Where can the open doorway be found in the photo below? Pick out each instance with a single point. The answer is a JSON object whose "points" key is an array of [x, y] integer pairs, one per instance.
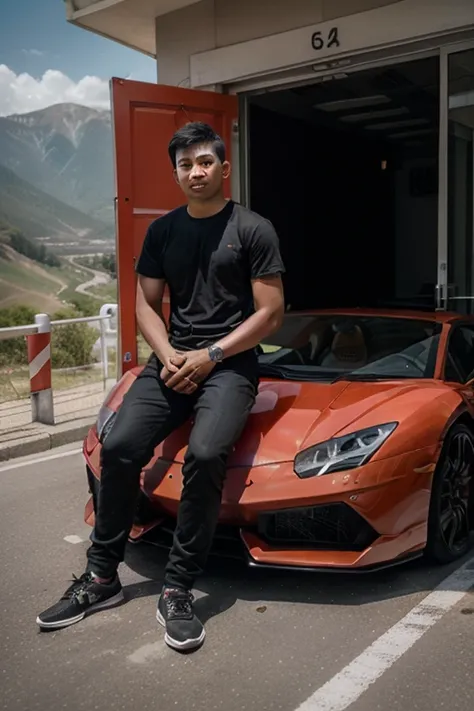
{"points": [[347, 171]]}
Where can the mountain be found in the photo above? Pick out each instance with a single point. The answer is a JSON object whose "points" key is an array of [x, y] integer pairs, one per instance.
{"points": [[66, 151], [40, 216]]}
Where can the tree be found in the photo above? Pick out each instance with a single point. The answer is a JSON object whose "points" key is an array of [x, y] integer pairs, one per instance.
{"points": [[108, 263], [13, 351], [84, 305], [71, 345], [36, 252]]}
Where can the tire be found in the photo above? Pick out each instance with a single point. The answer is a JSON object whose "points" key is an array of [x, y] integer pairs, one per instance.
{"points": [[450, 516]]}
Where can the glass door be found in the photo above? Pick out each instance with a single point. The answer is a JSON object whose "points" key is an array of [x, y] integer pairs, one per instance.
{"points": [[456, 169]]}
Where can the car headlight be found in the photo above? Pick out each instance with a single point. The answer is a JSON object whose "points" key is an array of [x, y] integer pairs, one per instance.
{"points": [[106, 416], [347, 452], [104, 422]]}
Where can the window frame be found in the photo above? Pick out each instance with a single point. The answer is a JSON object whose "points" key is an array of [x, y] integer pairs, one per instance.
{"points": [[462, 380]]}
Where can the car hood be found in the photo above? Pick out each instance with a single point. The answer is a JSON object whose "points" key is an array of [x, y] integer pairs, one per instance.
{"points": [[290, 416]]}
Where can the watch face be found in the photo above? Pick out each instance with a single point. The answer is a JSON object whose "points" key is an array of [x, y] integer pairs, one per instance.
{"points": [[216, 353]]}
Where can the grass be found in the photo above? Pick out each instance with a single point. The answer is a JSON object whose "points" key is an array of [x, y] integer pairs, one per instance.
{"points": [[46, 288], [11, 295], [86, 262], [5, 291], [107, 292], [15, 385], [23, 282], [23, 277], [28, 283], [72, 277]]}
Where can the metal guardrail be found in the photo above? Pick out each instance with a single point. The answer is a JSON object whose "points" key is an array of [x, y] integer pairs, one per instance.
{"points": [[17, 331], [81, 319], [38, 337], [29, 330]]}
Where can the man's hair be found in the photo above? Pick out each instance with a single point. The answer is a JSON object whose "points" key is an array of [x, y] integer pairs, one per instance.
{"points": [[191, 135]]}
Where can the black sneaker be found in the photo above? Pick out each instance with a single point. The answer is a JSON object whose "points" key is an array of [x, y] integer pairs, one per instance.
{"points": [[83, 596], [175, 612]]}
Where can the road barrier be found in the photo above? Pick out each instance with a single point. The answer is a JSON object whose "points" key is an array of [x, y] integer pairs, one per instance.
{"points": [[39, 363], [38, 337]]}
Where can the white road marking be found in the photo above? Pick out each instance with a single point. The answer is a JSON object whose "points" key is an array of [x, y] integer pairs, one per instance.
{"points": [[345, 688], [73, 539], [39, 460]]}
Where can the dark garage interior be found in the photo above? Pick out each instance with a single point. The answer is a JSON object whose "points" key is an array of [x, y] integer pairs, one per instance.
{"points": [[347, 171]]}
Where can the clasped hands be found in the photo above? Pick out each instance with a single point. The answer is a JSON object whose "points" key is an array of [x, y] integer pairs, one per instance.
{"points": [[183, 372]]}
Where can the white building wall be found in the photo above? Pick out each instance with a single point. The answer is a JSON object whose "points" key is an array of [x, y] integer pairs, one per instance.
{"points": [[181, 34], [211, 24], [208, 43], [251, 19]]}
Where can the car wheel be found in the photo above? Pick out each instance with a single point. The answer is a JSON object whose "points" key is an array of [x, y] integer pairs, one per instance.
{"points": [[450, 514]]}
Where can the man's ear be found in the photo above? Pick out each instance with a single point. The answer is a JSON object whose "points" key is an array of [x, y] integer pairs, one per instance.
{"points": [[226, 169], [175, 175]]}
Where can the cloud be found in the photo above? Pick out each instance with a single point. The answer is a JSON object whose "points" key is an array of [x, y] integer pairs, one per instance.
{"points": [[22, 93], [33, 52]]}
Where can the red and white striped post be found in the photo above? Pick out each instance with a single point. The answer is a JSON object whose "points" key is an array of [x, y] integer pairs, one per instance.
{"points": [[39, 361]]}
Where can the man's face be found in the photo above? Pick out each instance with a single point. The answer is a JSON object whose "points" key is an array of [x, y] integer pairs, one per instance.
{"points": [[199, 172]]}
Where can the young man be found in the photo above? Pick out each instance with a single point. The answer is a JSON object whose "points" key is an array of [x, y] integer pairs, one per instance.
{"points": [[223, 268]]}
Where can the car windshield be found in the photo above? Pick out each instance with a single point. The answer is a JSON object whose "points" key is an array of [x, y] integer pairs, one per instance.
{"points": [[328, 347]]}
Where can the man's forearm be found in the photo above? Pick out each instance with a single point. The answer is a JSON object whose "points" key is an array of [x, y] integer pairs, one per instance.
{"points": [[251, 332], [153, 328]]}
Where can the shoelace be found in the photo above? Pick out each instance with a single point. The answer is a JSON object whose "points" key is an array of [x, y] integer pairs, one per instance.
{"points": [[78, 586], [178, 604]]}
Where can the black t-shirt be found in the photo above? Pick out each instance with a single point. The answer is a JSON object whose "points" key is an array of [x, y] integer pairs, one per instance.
{"points": [[208, 264]]}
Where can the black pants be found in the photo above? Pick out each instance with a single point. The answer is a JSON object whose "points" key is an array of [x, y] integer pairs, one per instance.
{"points": [[149, 413]]}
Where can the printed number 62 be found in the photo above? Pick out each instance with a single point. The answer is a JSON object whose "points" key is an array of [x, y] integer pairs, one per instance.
{"points": [[333, 39]]}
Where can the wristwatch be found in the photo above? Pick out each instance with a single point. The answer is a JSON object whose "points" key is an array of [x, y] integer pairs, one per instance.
{"points": [[216, 354]]}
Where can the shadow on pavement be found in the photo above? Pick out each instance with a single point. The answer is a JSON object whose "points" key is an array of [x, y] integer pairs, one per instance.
{"points": [[227, 581]]}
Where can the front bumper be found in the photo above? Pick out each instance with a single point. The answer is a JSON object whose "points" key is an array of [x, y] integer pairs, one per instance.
{"points": [[356, 520]]}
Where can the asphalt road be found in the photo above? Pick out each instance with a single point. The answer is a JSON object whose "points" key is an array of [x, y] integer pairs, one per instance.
{"points": [[275, 641]]}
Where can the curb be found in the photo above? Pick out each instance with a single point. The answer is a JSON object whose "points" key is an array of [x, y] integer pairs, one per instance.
{"points": [[45, 438]]}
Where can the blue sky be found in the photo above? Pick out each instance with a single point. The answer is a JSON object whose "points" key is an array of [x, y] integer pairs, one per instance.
{"points": [[35, 38]]}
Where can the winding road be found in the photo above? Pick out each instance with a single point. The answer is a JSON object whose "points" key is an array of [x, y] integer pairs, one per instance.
{"points": [[98, 278]]}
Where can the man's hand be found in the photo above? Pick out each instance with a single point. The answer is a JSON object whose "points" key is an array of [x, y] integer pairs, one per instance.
{"points": [[172, 364], [187, 376]]}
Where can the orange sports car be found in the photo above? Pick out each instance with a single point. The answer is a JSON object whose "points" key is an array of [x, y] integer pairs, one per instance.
{"points": [[358, 453]]}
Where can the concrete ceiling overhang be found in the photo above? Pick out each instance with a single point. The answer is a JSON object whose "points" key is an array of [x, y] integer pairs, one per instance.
{"points": [[129, 22]]}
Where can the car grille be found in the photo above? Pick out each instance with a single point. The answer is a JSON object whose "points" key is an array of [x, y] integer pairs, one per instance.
{"points": [[226, 542], [328, 527]]}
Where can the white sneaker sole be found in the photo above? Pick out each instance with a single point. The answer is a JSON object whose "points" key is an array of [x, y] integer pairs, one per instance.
{"points": [[110, 602], [176, 644]]}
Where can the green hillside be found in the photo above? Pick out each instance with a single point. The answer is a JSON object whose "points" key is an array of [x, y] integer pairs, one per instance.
{"points": [[37, 214], [26, 282]]}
